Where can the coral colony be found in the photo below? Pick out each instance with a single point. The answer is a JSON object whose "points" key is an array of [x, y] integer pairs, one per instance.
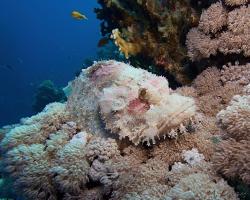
{"points": [[124, 134]]}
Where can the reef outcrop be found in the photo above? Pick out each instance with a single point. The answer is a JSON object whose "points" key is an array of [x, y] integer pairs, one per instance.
{"points": [[124, 134]]}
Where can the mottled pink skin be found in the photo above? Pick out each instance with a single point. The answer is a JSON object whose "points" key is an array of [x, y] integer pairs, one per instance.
{"points": [[104, 71], [136, 106], [157, 83]]}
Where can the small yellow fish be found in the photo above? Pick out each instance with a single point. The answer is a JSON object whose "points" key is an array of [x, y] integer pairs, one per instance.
{"points": [[77, 15]]}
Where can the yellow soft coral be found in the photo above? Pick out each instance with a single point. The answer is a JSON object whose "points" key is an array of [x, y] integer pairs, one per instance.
{"points": [[128, 48]]}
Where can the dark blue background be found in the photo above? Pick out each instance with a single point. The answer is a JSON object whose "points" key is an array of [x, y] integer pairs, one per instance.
{"points": [[41, 40]]}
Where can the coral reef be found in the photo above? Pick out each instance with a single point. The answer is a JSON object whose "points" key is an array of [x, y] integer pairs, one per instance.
{"points": [[123, 133], [234, 119], [47, 93], [236, 2], [96, 145], [200, 186], [36, 128], [213, 91], [222, 35], [232, 157], [151, 31], [102, 149], [236, 73]]}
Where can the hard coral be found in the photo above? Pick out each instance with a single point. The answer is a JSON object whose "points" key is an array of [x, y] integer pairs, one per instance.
{"points": [[149, 30]]}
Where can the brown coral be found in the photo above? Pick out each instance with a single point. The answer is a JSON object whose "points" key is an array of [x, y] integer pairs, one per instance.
{"points": [[101, 149], [232, 159], [209, 38], [144, 180], [200, 45], [213, 95], [235, 118], [236, 2], [236, 73], [208, 81], [149, 31], [213, 19]]}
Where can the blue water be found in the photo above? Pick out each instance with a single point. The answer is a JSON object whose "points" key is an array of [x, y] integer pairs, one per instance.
{"points": [[40, 40]]}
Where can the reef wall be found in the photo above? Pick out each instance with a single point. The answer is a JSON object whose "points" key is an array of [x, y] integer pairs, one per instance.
{"points": [[150, 32]]}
